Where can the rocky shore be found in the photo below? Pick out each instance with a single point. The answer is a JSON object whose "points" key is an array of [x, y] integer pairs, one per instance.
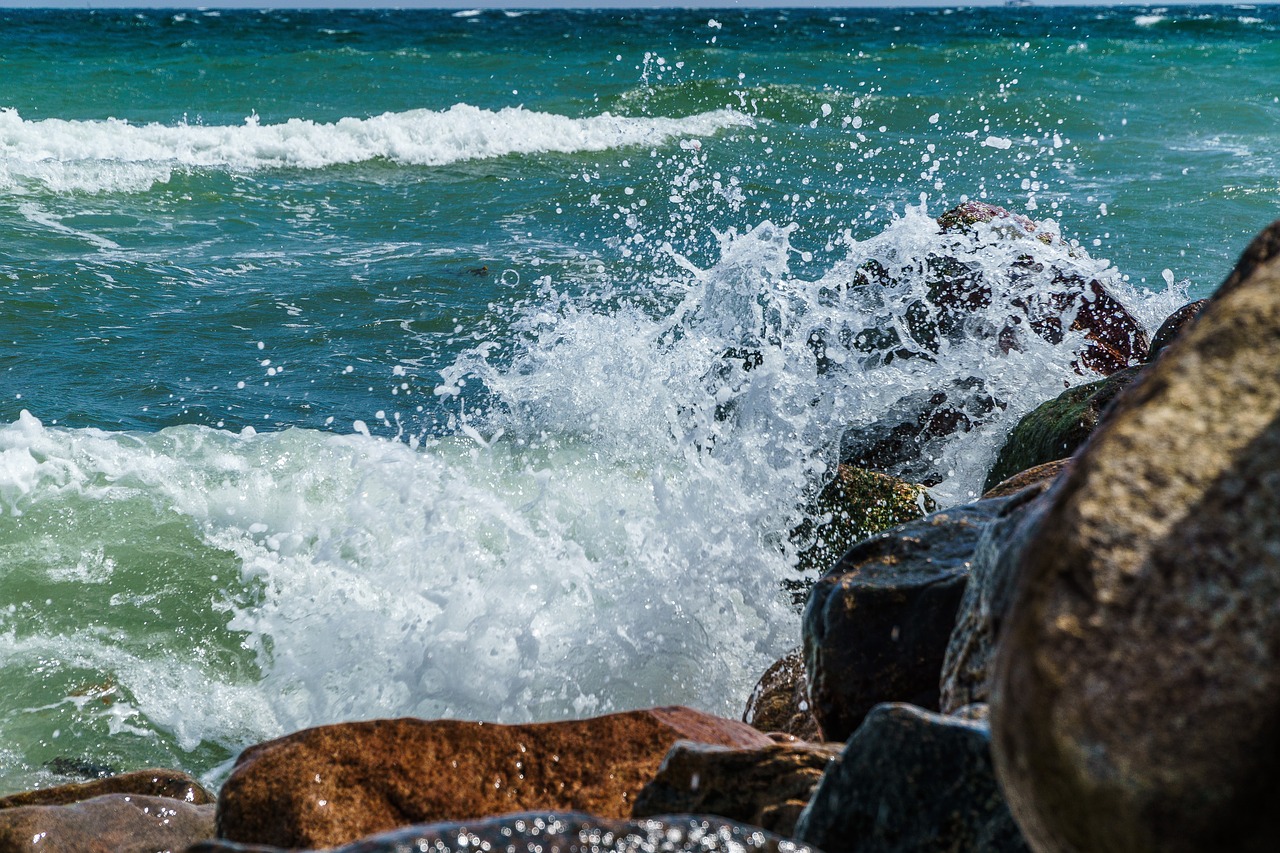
{"points": [[1087, 658]]}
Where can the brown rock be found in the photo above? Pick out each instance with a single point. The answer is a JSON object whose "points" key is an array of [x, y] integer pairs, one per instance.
{"points": [[326, 786], [1137, 682], [1173, 326], [780, 701], [567, 832], [153, 783], [113, 823], [767, 786], [1045, 473]]}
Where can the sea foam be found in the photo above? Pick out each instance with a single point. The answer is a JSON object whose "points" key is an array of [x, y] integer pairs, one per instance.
{"points": [[115, 155]]}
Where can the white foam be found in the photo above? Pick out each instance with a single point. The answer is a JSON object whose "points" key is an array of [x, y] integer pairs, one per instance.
{"points": [[114, 154]]}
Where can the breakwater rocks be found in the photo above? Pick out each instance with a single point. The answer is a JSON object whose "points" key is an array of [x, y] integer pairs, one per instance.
{"points": [[1086, 659]]}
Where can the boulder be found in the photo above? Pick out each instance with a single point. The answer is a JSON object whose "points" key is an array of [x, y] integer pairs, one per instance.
{"points": [[966, 669], [152, 783], [766, 786], [780, 701], [911, 780], [112, 823], [877, 624], [1044, 473], [1173, 326], [1137, 682], [854, 505], [330, 785], [1056, 429], [568, 832]]}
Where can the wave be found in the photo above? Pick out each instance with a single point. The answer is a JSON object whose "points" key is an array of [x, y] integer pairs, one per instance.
{"points": [[115, 155]]}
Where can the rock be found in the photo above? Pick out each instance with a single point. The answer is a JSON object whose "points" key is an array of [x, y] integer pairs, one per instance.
{"points": [[877, 623], [1055, 429], [1137, 683], [766, 786], [153, 783], [330, 785], [911, 780], [112, 823], [966, 670], [1044, 473], [1173, 326], [780, 701], [568, 832], [853, 506]]}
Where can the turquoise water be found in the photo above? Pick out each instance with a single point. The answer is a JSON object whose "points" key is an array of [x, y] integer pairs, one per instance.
{"points": [[362, 364]]}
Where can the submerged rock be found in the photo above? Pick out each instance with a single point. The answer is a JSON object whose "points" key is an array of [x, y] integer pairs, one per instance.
{"points": [[1055, 429], [780, 700], [766, 786], [330, 785], [119, 823], [877, 624], [152, 783], [1135, 698], [567, 832], [911, 780]]}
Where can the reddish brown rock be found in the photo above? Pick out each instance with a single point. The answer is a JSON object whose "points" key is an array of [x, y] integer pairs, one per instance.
{"points": [[153, 783], [113, 823], [1046, 473], [780, 701], [326, 786], [1136, 693], [1173, 326], [764, 786]]}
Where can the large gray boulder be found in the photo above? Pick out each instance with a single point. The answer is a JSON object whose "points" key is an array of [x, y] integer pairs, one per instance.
{"points": [[1136, 700]]}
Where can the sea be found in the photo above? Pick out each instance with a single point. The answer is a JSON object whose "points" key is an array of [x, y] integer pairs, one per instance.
{"points": [[479, 364]]}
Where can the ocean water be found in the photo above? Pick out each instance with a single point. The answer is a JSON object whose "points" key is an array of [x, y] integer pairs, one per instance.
{"points": [[364, 364]]}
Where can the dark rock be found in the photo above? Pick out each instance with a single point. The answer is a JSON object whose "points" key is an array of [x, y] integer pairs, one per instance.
{"points": [[152, 783], [780, 701], [78, 767], [905, 440], [966, 671], [1045, 473], [766, 786], [330, 785], [910, 780], [1174, 325], [1055, 429], [853, 506], [113, 823], [565, 832], [1137, 683], [877, 623]]}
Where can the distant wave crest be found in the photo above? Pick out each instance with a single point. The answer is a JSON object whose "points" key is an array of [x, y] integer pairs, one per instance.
{"points": [[116, 155]]}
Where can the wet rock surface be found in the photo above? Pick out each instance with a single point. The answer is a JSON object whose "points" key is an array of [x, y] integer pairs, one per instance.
{"points": [[780, 700], [1173, 326], [153, 783], [112, 823], [1045, 473], [877, 624], [1138, 675], [911, 780], [763, 786], [331, 785], [542, 832]]}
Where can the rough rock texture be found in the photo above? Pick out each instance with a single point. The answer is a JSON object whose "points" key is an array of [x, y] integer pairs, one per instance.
{"points": [[853, 506], [1045, 473], [966, 671], [780, 700], [330, 785], [764, 786], [154, 783], [566, 832], [1173, 326], [877, 624], [1055, 429], [910, 780], [1137, 686], [112, 823]]}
